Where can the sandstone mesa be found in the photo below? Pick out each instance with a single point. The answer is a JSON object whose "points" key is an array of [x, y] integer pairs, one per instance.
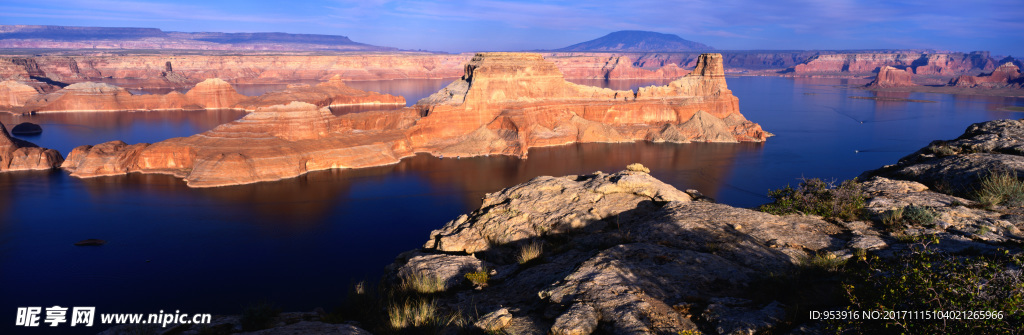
{"points": [[889, 76], [505, 104]]}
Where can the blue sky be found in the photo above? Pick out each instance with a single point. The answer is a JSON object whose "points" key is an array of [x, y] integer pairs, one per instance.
{"points": [[483, 25]]}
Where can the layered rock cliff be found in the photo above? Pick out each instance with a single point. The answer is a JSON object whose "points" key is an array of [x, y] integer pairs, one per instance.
{"points": [[149, 70], [1006, 75], [889, 76], [937, 64], [209, 94], [19, 155], [184, 70], [505, 104], [15, 93]]}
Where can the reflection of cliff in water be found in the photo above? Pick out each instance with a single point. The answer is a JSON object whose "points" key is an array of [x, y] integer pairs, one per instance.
{"points": [[701, 166], [64, 131], [201, 119], [309, 200]]}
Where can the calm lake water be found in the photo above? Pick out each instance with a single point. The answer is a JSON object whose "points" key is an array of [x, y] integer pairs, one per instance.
{"points": [[300, 242]]}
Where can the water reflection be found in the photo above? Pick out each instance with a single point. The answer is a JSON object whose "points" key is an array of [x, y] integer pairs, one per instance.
{"points": [[308, 200], [297, 242], [64, 131]]}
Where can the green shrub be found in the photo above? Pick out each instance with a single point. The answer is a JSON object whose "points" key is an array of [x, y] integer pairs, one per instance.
{"points": [[892, 218], [919, 215], [912, 215], [926, 279], [814, 196], [1001, 188], [259, 316]]}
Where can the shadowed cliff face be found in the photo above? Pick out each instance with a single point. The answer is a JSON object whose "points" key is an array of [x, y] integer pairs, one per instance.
{"points": [[505, 104]]}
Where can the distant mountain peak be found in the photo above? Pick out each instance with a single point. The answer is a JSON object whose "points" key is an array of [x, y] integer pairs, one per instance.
{"points": [[70, 37], [638, 41]]}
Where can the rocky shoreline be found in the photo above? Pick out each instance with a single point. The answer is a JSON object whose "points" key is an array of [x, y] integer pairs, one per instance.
{"points": [[624, 253]]}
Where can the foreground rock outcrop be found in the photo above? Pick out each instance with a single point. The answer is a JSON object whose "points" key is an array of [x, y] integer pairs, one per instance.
{"points": [[505, 104], [624, 253], [19, 155], [958, 165], [621, 251]]}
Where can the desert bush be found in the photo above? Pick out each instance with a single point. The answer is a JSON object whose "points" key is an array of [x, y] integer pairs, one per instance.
{"points": [[638, 167], [530, 252], [892, 218], [479, 278], [912, 215], [817, 197], [421, 283], [928, 280], [1001, 188], [419, 316], [919, 215], [823, 262]]}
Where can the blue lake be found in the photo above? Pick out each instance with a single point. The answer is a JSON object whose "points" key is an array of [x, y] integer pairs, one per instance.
{"points": [[299, 243]]}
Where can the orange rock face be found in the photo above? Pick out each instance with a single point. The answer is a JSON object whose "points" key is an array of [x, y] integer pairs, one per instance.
{"points": [[889, 76], [18, 155], [15, 94], [1006, 75], [209, 94], [271, 143], [505, 104]]}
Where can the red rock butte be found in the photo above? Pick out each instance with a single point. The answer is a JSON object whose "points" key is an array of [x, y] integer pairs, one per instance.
{"points": [[505, 103], [889, 76]]}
